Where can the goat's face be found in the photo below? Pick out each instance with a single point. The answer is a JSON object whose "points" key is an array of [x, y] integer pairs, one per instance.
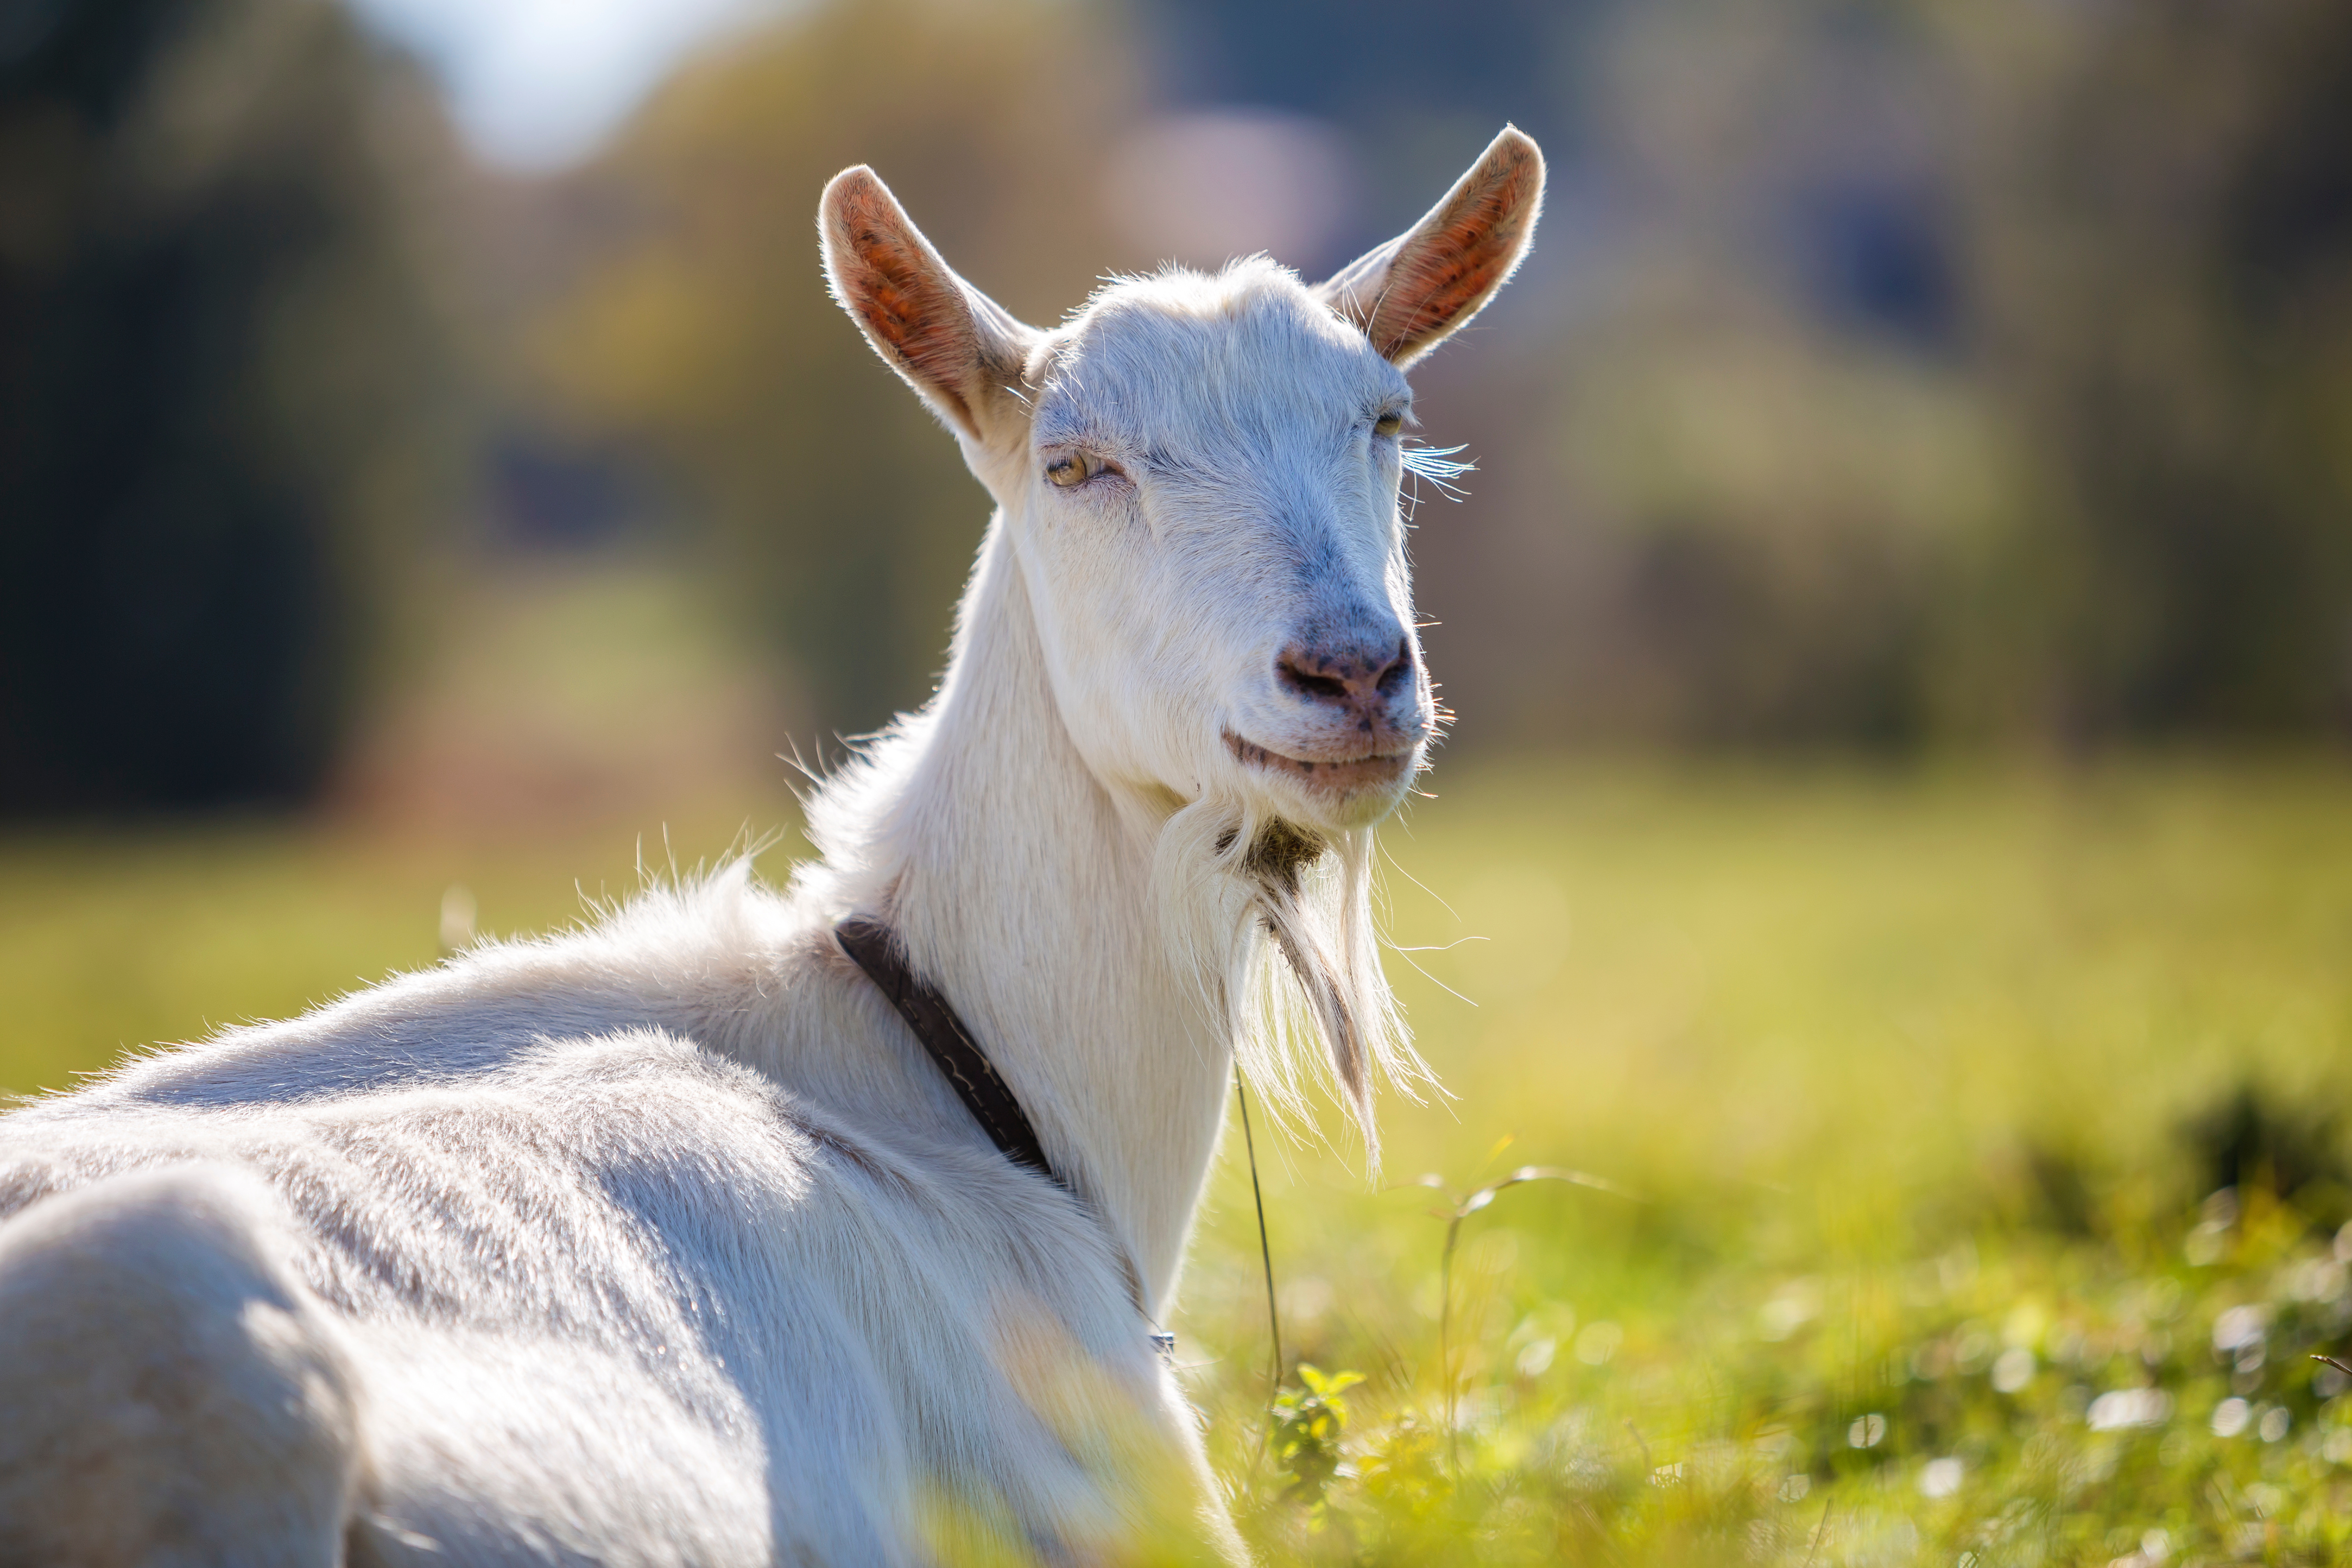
{"points": [[1201, 477], [1205, 508]]}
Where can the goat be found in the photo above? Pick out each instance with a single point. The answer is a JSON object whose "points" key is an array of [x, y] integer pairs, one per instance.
{"points": [[667, 1240]]}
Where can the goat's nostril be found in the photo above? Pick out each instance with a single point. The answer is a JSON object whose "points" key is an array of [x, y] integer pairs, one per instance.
{"points": [[1303, 673], [1399, 672]]}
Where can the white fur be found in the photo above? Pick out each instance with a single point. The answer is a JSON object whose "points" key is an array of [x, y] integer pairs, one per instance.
{"points": [[662, 1241]]}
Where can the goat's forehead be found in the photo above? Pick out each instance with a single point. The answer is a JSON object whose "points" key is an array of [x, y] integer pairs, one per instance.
{"points": [[1248, 344]]}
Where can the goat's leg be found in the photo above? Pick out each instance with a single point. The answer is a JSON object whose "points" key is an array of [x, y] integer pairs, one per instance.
{"points": [[170, 1393]]}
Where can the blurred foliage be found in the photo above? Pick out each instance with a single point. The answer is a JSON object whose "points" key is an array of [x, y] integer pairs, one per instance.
{"points": [[840, 516], [1888, 373], [1899, 372], [1935, 371], [2163, 258], [213, 353]]}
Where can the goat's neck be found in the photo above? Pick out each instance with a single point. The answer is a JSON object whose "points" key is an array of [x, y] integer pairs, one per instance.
{"points": [[1022, 888]]}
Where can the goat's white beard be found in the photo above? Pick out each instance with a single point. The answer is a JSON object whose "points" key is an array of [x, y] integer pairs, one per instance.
{"points": [[1276, 924]]}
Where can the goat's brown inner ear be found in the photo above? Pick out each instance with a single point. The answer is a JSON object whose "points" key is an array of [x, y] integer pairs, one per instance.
{"points": [[906, 306], [1407, 295], [1445, 275], [949, 340]]}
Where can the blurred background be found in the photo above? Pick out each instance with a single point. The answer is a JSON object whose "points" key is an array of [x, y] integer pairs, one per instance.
{"points": [[415, 408], [1900, 626]]}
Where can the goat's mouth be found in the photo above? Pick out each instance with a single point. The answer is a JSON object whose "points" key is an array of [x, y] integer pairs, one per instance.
{"points": [[1332, 774]]}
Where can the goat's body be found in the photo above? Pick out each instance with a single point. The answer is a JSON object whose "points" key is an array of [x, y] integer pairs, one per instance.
{"points": [[663, 1241], [601, 1294]]}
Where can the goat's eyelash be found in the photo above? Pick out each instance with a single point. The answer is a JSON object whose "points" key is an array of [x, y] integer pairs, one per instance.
{"points": [[1435, 463]]}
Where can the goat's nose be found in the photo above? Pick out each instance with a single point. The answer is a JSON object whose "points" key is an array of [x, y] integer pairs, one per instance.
{"points": [[1358, 678]]}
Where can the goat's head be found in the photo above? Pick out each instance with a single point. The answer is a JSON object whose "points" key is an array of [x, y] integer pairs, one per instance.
{"points": [[1201, 476]]}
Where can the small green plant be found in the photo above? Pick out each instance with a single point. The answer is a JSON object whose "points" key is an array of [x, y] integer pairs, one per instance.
{"points": [[1310, 1423], [1458, 1210]]}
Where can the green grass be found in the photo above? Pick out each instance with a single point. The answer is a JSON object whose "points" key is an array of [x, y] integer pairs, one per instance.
{"points": [[1921, 1083], [1911, 1074]]}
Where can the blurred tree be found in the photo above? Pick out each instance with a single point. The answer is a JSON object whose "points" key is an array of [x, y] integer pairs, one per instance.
{"points": [[1952, 369], [2163, 221], [1759, 427], [840, 518], [1412, 89], [213, 357]]}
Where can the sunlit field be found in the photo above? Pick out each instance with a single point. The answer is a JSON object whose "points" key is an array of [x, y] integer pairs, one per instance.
{"points": [[1966, 1161]]}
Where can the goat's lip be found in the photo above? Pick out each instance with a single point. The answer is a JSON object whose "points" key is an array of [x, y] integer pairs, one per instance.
{"points": [[1326, 773]]}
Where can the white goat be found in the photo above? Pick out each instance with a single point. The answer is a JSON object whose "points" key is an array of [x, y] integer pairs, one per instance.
{"points": [[666, 1241]]}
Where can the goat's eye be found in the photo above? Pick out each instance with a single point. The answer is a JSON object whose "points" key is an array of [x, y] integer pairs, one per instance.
{"points": [[1075, 470], [1387, 424]]}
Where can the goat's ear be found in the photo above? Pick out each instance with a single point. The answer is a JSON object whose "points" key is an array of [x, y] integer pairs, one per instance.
{"points": [[1410, 294], [954, 344]]}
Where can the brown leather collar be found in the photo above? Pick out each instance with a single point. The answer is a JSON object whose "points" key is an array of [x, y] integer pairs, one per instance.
{"points": [[877, 950]]}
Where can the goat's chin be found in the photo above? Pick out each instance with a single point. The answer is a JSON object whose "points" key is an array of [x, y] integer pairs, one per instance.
{"points": [[1333, 796]]}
